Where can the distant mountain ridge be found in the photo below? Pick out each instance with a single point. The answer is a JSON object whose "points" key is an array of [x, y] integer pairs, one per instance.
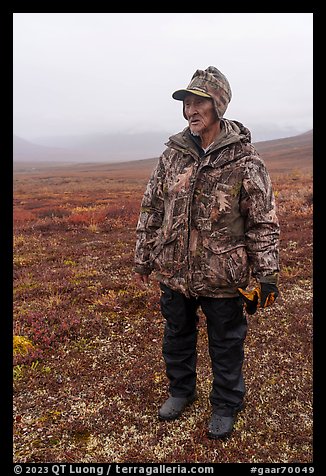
{"points": [[289, 153], [116, 148], [27, 151], [92, 148]]}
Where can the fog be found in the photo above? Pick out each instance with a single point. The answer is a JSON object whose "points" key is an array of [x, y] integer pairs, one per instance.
{"points": [[86, 73]]}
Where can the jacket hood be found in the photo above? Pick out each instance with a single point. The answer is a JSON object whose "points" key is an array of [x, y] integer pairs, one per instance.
{"points": [[232, 132]]}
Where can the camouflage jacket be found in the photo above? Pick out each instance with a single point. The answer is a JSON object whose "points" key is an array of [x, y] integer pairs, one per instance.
{"points": [[208, 219]]}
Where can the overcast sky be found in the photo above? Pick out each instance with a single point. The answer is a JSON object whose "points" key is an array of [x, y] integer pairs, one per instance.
{"points": [[78, 73]]}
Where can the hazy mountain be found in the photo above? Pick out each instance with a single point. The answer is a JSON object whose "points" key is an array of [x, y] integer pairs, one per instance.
{"points": [[124, 147], [26, 151], [294, 152], [91, 148]]}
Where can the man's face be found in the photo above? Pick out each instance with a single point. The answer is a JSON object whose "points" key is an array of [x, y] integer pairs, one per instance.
{"points": [[199, 112]]}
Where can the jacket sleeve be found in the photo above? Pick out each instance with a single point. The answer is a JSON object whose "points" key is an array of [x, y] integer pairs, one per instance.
{"points": [[257, 205], [150, 220]]}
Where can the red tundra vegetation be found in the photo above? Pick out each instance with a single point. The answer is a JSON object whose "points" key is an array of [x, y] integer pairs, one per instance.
{"points": [[88, 372]]}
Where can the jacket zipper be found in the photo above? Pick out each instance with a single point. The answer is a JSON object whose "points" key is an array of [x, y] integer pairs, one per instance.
{"points": [[193, 180]]}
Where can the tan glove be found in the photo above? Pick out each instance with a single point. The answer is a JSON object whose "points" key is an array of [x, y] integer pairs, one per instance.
{"points": [[261, 296]]}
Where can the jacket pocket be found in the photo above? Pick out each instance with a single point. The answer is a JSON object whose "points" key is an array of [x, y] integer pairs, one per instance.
{"points": [[225, 264], [164, 255]]}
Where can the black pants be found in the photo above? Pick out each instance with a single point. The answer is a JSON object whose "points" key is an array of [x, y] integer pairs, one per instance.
{"points": [[226, 328]]}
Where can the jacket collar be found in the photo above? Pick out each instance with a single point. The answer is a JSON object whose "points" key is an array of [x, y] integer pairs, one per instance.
{"points": [[232, 132]]}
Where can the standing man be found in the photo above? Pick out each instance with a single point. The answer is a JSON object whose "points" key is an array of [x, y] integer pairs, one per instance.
{"points": [[208, 222]]}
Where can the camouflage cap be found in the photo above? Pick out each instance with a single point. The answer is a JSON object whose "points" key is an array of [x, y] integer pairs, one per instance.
{"points": [[210, 83]]}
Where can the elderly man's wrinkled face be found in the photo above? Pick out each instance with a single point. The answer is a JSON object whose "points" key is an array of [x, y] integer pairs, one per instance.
{"points": [[200, 113]]}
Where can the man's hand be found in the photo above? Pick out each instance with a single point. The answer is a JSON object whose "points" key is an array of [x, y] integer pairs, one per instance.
{"points": [[269, 293], [250, 299], [142, 280], [260, 297]]}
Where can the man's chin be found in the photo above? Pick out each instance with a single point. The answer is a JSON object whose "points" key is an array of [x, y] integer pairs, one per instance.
{"points": [[193, 131]]}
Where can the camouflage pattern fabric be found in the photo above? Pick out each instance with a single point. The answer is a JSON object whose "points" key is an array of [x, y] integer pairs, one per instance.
{"points": [[212, 82], [207, 222]]}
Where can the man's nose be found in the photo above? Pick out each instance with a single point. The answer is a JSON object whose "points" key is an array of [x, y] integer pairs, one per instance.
{"points": [[191, 110]]}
